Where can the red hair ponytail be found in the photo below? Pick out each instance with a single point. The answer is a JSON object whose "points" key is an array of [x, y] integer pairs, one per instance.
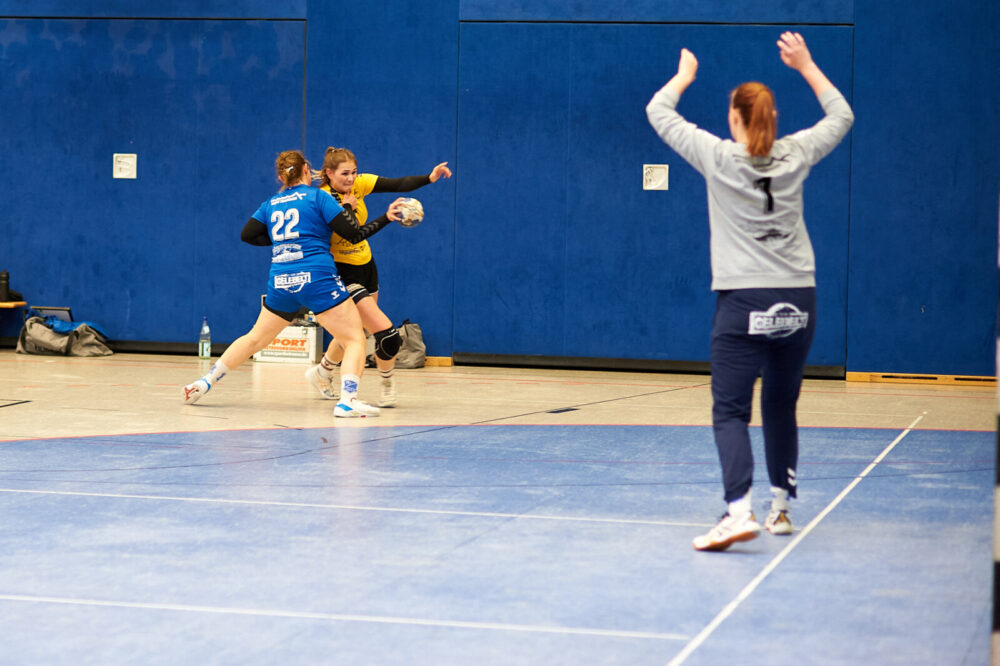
{"points": [[755, 102]]}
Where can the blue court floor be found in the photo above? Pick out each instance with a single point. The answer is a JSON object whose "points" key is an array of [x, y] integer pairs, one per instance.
{"points": [[488, 544]]}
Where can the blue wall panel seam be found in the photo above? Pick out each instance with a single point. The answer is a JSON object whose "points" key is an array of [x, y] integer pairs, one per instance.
{"points": [[454, 234], [847, 255], [305, 78]]}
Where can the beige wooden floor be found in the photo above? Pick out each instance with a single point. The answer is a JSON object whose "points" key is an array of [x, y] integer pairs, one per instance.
{"points": [[43, 396]]}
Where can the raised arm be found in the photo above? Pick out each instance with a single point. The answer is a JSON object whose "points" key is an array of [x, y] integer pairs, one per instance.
{"points": [[687, 68], [817, 141], [795, 54], [693, 144]]}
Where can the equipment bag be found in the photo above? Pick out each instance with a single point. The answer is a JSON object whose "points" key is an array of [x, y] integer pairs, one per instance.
{"points": [[413, 353], [38, 337]]}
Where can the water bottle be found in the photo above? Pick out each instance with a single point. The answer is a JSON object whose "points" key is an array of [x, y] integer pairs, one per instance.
{"points": [[205, 340], [4, 286]]}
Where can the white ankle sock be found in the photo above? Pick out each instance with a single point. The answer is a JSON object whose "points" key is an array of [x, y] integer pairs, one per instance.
{"points": [[348, 386], [326, 366], [779, 499], [740, 507], [217, 372]]}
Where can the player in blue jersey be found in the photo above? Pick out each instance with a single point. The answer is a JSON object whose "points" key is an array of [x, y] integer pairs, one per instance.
{"points": [[763, 270], [297, 222]]}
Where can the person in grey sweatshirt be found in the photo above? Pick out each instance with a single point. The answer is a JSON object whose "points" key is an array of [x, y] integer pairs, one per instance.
{"points": [[763, 271]]}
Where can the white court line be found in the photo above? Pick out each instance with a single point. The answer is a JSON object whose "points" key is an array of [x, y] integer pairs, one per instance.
{"points": [[752, 585], [342, 617], [350, 507]]}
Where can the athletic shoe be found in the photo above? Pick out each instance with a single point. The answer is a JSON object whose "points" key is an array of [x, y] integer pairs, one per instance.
{"points": [[777, 521], [727, 532], [193, 392], [387, 398], [353, 409], [322, 384]]}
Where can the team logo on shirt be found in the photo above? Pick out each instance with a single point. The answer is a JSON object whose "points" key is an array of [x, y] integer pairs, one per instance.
{"points": [[778, 321], [285, 198], [281, 254], [292, 282]]}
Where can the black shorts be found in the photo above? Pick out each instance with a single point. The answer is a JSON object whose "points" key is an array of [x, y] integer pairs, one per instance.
{"points": [[361, 281]]}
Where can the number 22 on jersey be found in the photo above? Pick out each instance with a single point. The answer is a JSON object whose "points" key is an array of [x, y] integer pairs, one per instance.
{"points": [[288, 219]]}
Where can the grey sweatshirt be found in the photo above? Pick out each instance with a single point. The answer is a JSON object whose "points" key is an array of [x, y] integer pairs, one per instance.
{"points": [[758, 234]]}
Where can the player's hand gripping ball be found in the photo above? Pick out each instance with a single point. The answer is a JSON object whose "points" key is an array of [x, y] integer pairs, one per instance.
{"points": [[412, 212]]}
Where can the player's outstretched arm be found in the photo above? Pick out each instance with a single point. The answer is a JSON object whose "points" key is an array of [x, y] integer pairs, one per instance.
{"points": [[410, 183], [794, 53]]}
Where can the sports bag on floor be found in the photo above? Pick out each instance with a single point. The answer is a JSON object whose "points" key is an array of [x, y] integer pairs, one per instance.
{"points": [[37, 337], [413, 353]]}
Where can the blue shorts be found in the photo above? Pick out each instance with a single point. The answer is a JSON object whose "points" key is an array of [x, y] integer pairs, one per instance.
{"points": [[318, 291]]}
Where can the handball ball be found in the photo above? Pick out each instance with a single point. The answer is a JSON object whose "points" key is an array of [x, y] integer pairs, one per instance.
{"points": [[412, 212]]}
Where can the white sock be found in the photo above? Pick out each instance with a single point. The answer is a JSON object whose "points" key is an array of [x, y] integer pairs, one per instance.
{"points": [[779, 499], [217, 372], [348, 386], [740, 507], [326, 367]]}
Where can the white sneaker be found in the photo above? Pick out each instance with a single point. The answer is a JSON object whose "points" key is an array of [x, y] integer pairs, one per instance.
{"points": [[778, 521], [194, 391], [322, 384], [387, 397], [727, 532], [354, 408]]}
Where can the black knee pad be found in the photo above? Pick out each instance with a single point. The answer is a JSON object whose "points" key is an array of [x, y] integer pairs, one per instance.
{"points": [[387, 343]]}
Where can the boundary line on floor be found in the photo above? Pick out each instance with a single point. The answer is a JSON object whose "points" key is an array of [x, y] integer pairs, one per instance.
{"points": [[343, 617], [351, 507], [745, 593]]}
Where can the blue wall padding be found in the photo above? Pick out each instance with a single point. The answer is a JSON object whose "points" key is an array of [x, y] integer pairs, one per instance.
{"points": [[544, 242], [662, 11], [589, 264], [205, 105], [922, 263]]}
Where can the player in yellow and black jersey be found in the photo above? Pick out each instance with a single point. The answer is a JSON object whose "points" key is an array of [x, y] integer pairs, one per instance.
{"points": [[357, 268]]}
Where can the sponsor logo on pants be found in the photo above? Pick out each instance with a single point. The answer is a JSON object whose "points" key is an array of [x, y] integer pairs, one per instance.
{"points": [[292, 282], [778, 321]]}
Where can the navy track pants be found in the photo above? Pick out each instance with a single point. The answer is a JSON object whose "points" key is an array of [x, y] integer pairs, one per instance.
{"points": [[765, 333]]}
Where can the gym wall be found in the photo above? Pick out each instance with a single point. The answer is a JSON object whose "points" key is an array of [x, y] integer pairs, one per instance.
{"points": [[543, 245], [204, 104]]}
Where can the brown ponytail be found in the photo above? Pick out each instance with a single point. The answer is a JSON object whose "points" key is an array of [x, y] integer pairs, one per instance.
{"points": [[291, 166], [755, 102]]}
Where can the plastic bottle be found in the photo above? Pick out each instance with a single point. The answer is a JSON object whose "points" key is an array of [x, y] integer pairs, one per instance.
{"points": [[4, 286], [205, 340]]}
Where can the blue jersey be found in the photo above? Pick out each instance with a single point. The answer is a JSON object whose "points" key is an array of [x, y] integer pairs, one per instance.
{"points": [[297, 219]]}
